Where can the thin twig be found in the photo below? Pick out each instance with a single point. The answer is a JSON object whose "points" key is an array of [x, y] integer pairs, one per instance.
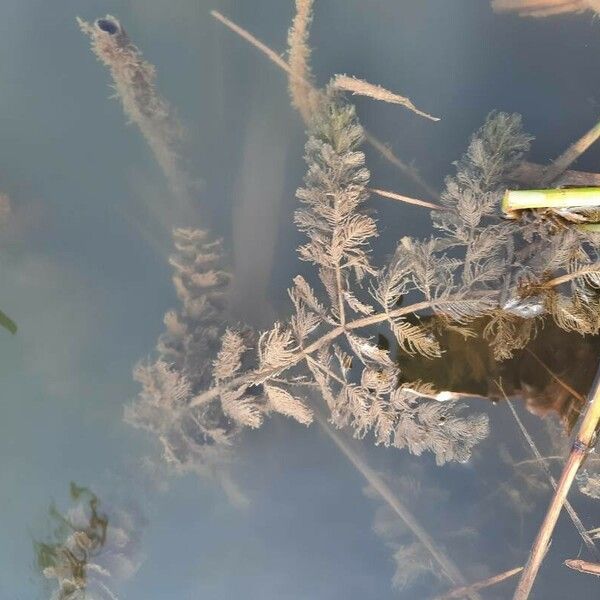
{"points": [[378, 145], [530, 461], [583, 566], [587, 540], [581, 272], [581, 446], [554, 376], [479, 585], [448, 567], [254, 41], [531, 175], [406, 199], [570, 155]]}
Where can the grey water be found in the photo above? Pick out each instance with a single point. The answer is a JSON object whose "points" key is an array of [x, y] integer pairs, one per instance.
{"points": [[84, 274]]}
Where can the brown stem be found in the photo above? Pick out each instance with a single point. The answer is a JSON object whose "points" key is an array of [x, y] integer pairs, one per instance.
{"points": [[448, 567], [254, 41], [594, 268], [582, 444], [570, 155], [475, 587], [585, 536], [532, 174], [384, 150], [583, 566], [406, 199]]}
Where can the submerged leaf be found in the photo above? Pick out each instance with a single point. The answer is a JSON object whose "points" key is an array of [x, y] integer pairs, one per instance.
{"points": [[7, 323]]}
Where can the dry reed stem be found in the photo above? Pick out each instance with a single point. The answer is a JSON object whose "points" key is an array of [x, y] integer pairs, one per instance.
{"points": [[446, 564], [585, 536], [539, 8], [536, 461], [410, 171], [583, 566], [479, 585], [582, 444], [406, 199], [570, 155], [246, 35], [586, 269], [531, 174], [359, 87]]}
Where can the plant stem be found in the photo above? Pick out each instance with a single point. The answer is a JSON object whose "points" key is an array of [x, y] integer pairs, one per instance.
{"points": [[475, 587], [582, 444], [378, 145], [583, 566], [254, 41], [516, 200], [582, 271], [570, 155], [448, 567], [331, 335], [406, 199], [531, 175], [585, 536]]}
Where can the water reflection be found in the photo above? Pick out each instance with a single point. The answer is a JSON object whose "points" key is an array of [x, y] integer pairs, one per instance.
{"points": [[551, 375]]}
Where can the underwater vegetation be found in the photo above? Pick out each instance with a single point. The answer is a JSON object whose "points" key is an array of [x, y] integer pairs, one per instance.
{"points": [[87, 549], [478, 277]]}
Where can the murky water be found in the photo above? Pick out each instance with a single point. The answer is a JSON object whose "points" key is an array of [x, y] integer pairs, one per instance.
{"points": [[89, 508]]}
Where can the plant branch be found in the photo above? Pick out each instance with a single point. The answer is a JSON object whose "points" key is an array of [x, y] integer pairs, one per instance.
{"points": [[331, 335], [570, 155], [581, 446], [448, 567], [585, 536], [554, 376], [378, 145], [475, 587], [581, 272], [530, 461], [406, 199], [531, 174], [583, 566]]}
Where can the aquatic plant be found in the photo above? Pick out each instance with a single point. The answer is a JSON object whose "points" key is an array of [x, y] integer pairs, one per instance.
{"points": [[134, 82], [475, 267], [213, 378], [87, 550], [290, 355]]}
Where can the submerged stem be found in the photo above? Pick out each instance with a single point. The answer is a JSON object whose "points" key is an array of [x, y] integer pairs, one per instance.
{"points": [[571, 154], [479, 585], [579, 451], [410, 171], [448, 567], [331, 335], [585, 536]]}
